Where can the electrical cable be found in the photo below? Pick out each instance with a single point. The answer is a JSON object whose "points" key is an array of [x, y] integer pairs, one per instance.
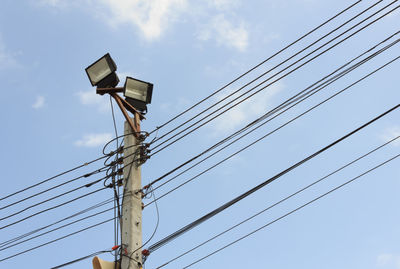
{"points": [[15, 239], [276, 109], [58, 228], [263, 74], [280, 201], [274, 81], [55, 187], [228, 204], [297, 209], [53, 177], [255, 67], [50, 208], [82, 258], [55, 240], [52, 198], [154, 232], [266, 135]]}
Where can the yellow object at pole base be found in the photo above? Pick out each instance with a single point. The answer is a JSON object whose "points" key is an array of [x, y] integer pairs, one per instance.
{"points": [[102, 264]]}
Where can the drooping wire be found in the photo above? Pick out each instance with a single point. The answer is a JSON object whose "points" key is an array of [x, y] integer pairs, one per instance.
{"points": [[15, 239], [269, 84], [228, 204], [117, 210], [51, 208], [276, 109], [154, 231], [53, 177], [82, 258], [52, 198], [55, 240], [280, 201], [266, 135], [295, 210], [255, 67]]}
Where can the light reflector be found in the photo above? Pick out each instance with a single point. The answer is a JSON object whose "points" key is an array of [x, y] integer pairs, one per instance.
{"points": [[102, 72]]}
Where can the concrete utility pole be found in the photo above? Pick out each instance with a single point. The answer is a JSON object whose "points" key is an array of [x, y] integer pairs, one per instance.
{"points": [[132, 202]]}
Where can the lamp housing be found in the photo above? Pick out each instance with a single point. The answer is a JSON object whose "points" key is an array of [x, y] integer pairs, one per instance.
{"points": [[102, 72], [138, 93]]}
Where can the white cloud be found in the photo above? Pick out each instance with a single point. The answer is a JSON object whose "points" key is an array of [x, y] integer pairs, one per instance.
{"points": [[39, 103], [152, 18], [93, 140], [90, 98], [225, 33], [243, 113], [388, 261], [390, 133]]}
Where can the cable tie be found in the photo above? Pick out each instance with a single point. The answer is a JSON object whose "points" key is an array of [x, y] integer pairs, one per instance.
{"points": [[115, 247]]}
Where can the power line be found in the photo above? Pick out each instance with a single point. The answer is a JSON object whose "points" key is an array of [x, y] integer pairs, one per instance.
{"points": [[55, 187], [261, 185], [266, 135], [82, 258], [52, 198], [55, 240], [2, 244], [56, 229], [280, 201], [276, 109], [286, 74], [291, 212], [51, 208], [255, 67], [53, 177]]}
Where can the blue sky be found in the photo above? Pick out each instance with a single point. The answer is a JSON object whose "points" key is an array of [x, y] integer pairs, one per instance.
{"points": [[52, 120]]}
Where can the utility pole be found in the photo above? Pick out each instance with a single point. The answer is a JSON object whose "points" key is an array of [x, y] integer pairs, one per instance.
{"points": [[132, 201], [102, 74]]}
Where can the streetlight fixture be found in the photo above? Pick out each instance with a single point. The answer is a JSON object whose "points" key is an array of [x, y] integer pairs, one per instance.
{"points": [[138, 93], [102, 72]]}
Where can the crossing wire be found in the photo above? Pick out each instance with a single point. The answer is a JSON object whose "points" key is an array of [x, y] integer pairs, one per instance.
{"points": [[53, 177], [55, 240], [279, 202], [50, 208], [20, 237], [276, 109], [228, 204], [271, 83], [268, 134], [295, 210], [256, 66]]}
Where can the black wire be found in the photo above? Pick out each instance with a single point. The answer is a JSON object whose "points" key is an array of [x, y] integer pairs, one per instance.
{"points": [[55, 187], [117, 217], [298, 208], [280, 201], [279, 107], [58, 228], [154, 232], [274, 81], [52, 198], [261, 185], [48, 179], [263, 137], [51, 208], [54, 223], [55, 240], [81, 259], [255, 67]]}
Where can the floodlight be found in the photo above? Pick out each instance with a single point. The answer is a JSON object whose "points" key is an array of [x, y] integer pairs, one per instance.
{"points": [[102, 72], [138, 93]]}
